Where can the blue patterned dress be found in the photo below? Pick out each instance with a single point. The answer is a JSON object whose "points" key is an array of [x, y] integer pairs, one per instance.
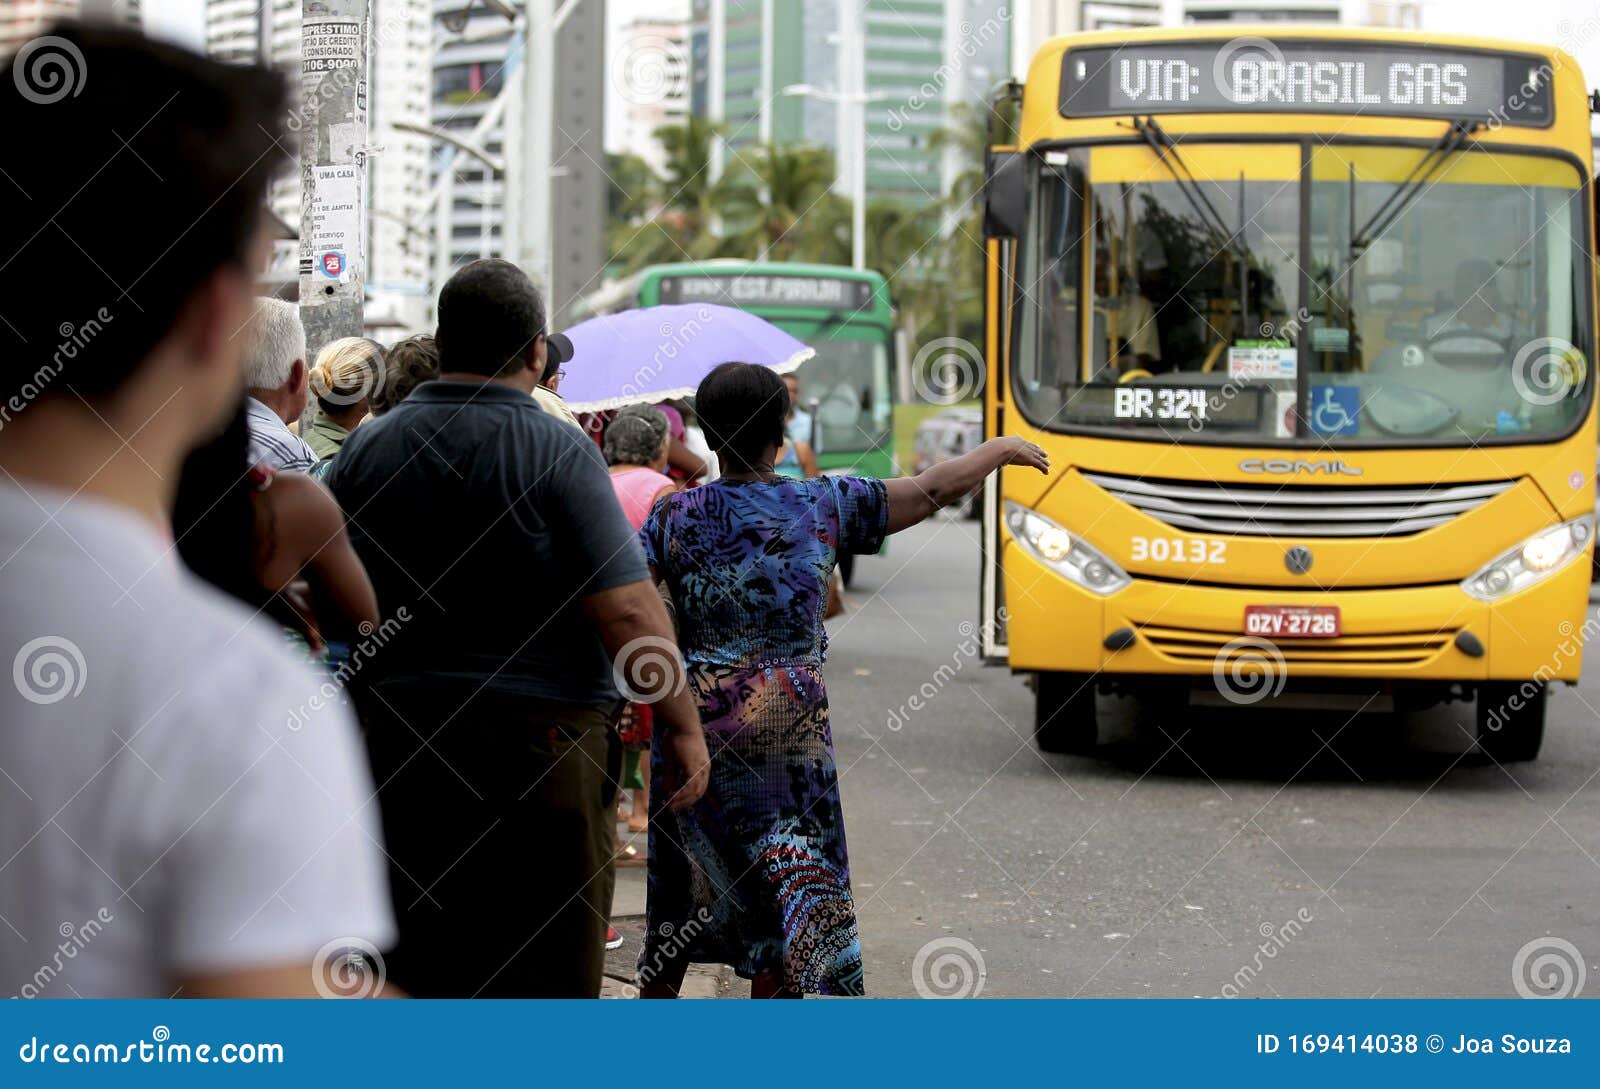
{"points": [[756, 874]]}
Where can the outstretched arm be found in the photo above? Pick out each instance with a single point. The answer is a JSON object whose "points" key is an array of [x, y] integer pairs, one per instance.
{"points": [[913, 498]]}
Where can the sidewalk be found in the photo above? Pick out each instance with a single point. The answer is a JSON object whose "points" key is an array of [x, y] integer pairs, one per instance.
{"points": [[627, 915]]}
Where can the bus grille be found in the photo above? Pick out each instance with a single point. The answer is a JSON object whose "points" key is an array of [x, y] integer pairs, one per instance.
{"points": [[1299, 510], [1194, 645]]}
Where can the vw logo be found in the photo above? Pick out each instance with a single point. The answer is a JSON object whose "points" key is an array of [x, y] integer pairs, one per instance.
{"points": [[1297, 560]]}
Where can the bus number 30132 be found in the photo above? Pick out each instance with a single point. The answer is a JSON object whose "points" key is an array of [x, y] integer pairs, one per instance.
{"points": [[1179, 549]]}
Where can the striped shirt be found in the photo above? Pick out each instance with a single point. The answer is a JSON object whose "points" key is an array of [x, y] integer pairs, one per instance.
{"points": [[272, 443]]}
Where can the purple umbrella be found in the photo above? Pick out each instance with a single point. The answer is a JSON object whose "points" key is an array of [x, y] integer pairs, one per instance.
{"points": [[662, 352]]}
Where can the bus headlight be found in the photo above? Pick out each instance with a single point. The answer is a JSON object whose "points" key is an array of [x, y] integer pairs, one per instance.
{"points": [[1540, 555], [1064, 552]]}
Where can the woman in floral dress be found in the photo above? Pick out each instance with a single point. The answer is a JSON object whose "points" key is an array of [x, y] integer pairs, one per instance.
{"points": [[756, 874]]}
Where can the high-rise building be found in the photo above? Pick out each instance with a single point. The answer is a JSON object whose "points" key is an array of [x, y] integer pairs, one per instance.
{"points": [[649, 66], [474, 55], [21, 20], [399, 246], [399, 228], [256, 32], [919, 57]]}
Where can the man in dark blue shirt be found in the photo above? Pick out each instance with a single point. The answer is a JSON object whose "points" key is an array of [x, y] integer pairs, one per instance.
{"points": [[509, 582]]}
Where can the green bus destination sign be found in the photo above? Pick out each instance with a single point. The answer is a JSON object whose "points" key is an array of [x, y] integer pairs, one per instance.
{"points": [[1258, 75], [736, 289]]}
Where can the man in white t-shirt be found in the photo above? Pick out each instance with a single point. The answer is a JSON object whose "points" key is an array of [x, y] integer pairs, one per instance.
{"points": [[183, 808]]}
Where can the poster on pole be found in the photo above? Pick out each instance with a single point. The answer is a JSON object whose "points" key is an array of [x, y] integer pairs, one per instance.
{"points": [[336, 243], [328, 45], [333, 149]]}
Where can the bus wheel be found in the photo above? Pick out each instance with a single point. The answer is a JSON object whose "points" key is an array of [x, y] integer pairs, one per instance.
{"points": [[847, 567], [1064, 713], [1511, 720]]}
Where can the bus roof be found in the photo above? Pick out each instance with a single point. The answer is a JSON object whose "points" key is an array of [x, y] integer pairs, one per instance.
{"points": [[1288, 31], [1053, 108]]}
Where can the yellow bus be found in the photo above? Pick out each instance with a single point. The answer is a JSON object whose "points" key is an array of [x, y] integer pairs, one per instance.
{"points": [[1305, 320]]}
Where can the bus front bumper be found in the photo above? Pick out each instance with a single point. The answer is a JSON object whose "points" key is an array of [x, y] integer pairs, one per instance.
{"points": [[1412, 633]]}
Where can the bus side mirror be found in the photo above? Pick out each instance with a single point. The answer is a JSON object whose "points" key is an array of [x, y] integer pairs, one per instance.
{"points": [[1004, 194]]}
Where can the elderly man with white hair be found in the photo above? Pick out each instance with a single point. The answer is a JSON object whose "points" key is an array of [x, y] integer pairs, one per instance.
{"points": [[275, 377]]}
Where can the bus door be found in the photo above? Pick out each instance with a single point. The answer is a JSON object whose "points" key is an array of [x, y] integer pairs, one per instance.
{"points": [[1005, 214]]}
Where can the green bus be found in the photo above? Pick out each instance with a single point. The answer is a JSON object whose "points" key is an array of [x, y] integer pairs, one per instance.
{"points": [[843, 313]]}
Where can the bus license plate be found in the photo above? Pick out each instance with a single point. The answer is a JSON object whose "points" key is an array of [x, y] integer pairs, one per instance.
{"points": [[1292, 621]]}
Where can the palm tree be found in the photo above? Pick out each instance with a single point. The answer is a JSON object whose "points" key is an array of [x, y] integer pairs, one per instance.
{"points": [[632, 189], [782, 207], [672, 221]]}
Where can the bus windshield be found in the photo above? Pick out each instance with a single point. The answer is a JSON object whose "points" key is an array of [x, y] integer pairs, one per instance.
{"points": [[1237, 293], [849, 381]]}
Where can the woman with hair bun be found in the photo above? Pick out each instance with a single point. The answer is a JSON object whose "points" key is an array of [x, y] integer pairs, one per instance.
{"points": [[348, 373]]}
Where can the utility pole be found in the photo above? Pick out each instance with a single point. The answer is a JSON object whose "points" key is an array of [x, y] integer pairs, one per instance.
{"points": [[332, 118], [853, 123], [529, 181]]}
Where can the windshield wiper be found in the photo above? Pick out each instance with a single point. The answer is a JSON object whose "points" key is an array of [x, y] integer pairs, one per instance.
{"points": [[1453, 139], [1167, 151]]}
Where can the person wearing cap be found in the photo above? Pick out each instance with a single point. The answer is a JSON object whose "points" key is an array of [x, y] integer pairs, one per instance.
{"points": [[558, 352]]}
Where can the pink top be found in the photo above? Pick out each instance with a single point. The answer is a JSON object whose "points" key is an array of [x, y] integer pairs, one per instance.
{"points": [[637, 489]]}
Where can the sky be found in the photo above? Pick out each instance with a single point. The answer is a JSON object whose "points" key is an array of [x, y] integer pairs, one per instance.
{"points": [[1572, 24]]}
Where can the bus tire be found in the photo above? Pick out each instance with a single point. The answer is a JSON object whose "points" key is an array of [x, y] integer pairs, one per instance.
{"points": [[847, 568], [1064, 713], [1511, 720]]}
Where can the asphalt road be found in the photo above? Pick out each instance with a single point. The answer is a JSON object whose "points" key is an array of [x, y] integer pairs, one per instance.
{"points": [[1248, 852]]}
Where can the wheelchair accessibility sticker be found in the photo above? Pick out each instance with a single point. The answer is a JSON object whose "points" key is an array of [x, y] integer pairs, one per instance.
{"points": [[1335, 410]]}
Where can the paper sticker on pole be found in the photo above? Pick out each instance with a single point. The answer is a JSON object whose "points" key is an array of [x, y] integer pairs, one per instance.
{"points": [[335, 221]]}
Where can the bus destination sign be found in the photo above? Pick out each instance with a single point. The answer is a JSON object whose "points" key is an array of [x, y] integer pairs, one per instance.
{"points": [[1299, 76], [746, 290]]}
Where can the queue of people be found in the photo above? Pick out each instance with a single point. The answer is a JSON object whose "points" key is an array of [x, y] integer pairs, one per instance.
{"points": [[506, 591]]}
